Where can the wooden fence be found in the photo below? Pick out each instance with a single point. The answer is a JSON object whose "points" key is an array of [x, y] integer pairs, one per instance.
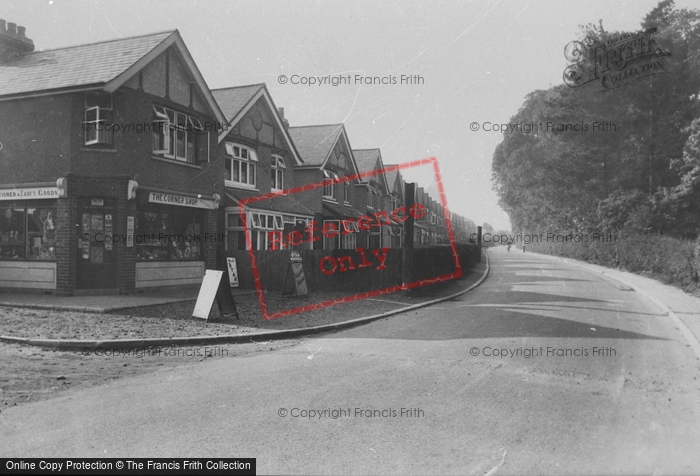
{"points": [[350, 270]]}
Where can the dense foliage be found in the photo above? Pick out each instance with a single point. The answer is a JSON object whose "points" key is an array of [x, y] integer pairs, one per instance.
{"points": [[642, 177]]}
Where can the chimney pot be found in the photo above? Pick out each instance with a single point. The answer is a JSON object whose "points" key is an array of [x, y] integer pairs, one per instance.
{"points": [[13, 41], [285, 122]]}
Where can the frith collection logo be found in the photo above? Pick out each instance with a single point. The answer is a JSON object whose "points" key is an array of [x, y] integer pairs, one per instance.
{"points": [[614, 62]]}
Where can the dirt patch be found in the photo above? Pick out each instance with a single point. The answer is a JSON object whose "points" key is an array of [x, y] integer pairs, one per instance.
{"points": [[28, 373]]}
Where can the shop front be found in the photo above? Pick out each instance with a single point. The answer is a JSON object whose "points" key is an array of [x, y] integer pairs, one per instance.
{"points": [[174, 237], [28, 225]]}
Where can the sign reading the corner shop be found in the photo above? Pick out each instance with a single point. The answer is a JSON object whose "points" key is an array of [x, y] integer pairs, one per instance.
{"points": [[181, 200], [34, 193]]}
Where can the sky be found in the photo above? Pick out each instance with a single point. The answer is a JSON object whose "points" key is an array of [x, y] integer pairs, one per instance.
{"points": [[463, 63]]}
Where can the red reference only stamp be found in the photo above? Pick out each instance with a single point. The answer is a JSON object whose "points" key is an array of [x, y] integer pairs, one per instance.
{"points": [[329, 264]]}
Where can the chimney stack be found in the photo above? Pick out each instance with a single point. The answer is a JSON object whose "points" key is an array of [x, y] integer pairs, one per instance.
{"points": [[285, 122], [13, 41]]}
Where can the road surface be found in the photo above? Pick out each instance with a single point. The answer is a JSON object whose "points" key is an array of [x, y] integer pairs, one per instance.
{"points": [[545, 368]]}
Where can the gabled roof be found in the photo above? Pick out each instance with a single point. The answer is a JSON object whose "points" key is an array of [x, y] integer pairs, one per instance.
{"points": [[106, 65], [391, 177], [368, 160], [315, 143], [235, 102]]}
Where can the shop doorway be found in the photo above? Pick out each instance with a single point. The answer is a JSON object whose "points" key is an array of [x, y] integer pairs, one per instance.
{"points": [[97, 223]]}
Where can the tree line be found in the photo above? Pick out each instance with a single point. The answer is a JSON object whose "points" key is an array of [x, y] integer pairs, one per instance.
{"points": [[623, 160]]}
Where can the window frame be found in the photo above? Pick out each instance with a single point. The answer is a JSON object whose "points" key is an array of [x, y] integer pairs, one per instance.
{"points": [[330, 180], [101, 137], [277, 167], [170, 130], [236, 164]]}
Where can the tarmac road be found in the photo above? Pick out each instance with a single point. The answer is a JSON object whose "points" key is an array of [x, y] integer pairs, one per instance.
{"points": [[591, 378]]}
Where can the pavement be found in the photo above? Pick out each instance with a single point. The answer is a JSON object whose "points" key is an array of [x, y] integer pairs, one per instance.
{"points": [[418, 298], [103, 304]]}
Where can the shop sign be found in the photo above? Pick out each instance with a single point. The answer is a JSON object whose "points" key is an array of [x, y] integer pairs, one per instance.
{"points": [[34, 193], [181, 200]]}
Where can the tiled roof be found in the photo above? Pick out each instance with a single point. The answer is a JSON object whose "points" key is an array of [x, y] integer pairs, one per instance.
{"points": [[366, 159], [391, 177], [340, 211], [95, 63], [282, 203], [233, 100], [314, 143]]}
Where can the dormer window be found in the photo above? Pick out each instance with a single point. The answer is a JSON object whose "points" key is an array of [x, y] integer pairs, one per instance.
{"points": [[241, 163], [175, 134], [277, 173], [98, 118]]}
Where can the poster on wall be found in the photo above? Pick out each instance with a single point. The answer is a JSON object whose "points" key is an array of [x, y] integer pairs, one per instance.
{"points": [[232, 272], [129, 232], [108, 232]]}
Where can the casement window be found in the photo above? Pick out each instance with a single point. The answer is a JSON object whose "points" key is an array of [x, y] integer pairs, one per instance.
{"points": [[98, 118], [332, 236], [241, 166], [259, 225], [394, 202], [346, 193], [349, 242], [277, 172], [175, 134], [330, 188], [372, 198], [340, 234]]}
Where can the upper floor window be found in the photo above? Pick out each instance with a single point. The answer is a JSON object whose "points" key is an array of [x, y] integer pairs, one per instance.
{"points": [[330, 188], [394, 202], [175, 134], [346, 193], [277, 173], [241, 165], [372, 198], [98, 118]]}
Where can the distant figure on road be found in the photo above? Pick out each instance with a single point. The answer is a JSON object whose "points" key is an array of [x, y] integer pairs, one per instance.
{"points": [[508, 248]]}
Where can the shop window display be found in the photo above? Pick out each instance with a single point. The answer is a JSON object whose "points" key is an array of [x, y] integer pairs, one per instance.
{"points": [[28, 233], [168, 236]]}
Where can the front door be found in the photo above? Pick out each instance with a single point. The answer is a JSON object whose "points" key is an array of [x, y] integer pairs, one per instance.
{"points": [[96, 251]]}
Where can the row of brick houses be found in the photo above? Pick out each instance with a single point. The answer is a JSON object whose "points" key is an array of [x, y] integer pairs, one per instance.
{"points": [[121, 170]]}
